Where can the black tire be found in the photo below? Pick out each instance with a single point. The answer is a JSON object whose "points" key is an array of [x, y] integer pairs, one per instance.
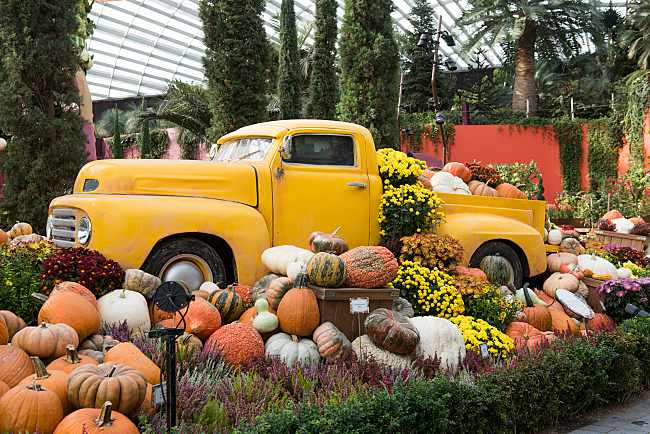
{"points": [[502, 249], [168, 250]]}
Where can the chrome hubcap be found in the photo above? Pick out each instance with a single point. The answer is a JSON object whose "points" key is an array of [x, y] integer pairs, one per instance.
{"points": [[190, 269]]}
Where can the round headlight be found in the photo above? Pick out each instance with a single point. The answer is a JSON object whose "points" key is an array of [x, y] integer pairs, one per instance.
{"points": [[48, 228], [84, 230]]}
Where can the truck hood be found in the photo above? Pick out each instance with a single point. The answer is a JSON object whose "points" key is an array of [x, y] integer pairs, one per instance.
{"points": [[235, 182]]}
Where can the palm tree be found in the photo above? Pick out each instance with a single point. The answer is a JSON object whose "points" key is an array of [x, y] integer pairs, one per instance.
{"points": [[639, 37], [546, 28]]}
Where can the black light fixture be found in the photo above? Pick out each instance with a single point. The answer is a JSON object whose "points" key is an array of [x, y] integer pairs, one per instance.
{"points": [[425, 40]]}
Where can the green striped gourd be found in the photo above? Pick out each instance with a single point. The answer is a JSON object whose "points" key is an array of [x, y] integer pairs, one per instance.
{"points": [[229, 303], [326, 269]]}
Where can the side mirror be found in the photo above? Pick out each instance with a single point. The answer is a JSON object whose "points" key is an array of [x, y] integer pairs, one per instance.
{"points": [[287, 148]]}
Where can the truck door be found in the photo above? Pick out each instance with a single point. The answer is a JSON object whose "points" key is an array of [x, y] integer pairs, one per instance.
{"points": [[320, 185]]}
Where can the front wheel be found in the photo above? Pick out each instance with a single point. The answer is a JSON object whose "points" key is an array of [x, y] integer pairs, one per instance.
{"points": [[188, 260], [515, 265]]}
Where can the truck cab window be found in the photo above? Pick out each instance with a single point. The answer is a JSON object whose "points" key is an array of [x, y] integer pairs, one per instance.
{"points": [[324, 150]]}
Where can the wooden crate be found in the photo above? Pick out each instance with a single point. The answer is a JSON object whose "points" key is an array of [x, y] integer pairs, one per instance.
{"points": [[637, 242], [334, 305]]}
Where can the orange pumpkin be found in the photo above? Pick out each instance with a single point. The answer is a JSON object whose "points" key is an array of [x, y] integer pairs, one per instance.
{"points": [[459, 170], [56, 381], [601, 322], [478, 188], [298, 310], [75, 310], [76, 288], [128, 354], [4, 332], [202, 318], [13, 322], [14, 365], [556, 260], [510, 191], [237, 343], [97, 421], [537, 315], [474, 272], [30, 408], [71, 361]]}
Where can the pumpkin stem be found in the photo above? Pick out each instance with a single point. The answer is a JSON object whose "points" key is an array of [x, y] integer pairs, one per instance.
{"points": [[112, 371], [71, 355], [104, 418], [39, 368], [529, 300]]}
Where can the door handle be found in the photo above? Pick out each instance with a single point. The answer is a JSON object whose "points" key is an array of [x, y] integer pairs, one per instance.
{"points": [[357, 184]]}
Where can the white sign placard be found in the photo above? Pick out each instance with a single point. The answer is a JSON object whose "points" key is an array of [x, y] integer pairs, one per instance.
{"points": [[359, 305]]}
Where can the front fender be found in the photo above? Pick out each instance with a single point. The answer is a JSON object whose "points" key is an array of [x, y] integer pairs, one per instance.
{"points": [[474, 230], [126, 228]]}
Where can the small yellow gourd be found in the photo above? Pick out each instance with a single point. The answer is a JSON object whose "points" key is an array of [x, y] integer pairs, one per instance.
{"points": [[264, 321]]}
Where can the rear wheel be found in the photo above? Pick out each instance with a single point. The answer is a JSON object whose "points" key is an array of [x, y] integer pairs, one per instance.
{"points": [[508, 253], [189, 260]]}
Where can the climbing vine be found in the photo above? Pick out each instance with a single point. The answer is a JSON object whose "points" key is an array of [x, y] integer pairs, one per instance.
{"points": [[638, 95], [569, 137], [605, 140]]}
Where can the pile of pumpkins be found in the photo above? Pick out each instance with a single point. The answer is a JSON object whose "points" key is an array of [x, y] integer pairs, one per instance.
{"points": [[456, 178]]}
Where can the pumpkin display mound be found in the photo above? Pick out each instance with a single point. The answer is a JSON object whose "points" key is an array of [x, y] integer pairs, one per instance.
{"points": [[440, 338], [369, 267], [237, 343], [392, 331]]}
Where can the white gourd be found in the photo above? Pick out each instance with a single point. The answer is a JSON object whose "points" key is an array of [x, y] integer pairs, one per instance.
{"points": [[440, 338], [264, 321], [277, 259], [365, 349], [623, 225], [209, 287], [597, 265], [124, 305], [291, 349], [555, 237]]}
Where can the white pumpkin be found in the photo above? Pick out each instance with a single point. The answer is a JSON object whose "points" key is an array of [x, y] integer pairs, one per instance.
{"points": [[624, 273], [296, 268], [277, 259], [365, 349], [555, 237], [209, 287], [597, 265], [445, 182], [442, 339], [124, 305], [291, 349], [264, 321], [623, 225]]}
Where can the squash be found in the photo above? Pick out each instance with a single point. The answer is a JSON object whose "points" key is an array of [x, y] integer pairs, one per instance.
{"points": [[365, 349], [328, 243], [474, 272], [535, 314], [612, 215], [29, 409], [71, 361], [478, 188], [264, 321], [14, 365], [403, 306], [96, 345], [72, 309], [459, 170], [128, 354], [97, 421], [77, 288], [369, 267], [563, 323], [509, 191], [56, 381], [555, 237], [91, 386], [558, 280], [201, 318], [298, 310], [326, 269], [442, 339], [123, 305], [20, 229], [296, 268], [14, 322], [140, 281], [229, 304], [237, 343], [276, 290], [597, 265], [292, 350], [332, 343], [556, 260], [46, 341], [392, 331], [497, 269], [575, 306], [278, 258], [601, 322]]}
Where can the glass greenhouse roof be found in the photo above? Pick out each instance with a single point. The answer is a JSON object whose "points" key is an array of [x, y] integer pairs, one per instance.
{"points": [[139, 46]]}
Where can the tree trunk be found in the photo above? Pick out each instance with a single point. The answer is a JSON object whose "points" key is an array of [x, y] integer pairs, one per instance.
{"points": [[524, 87]]}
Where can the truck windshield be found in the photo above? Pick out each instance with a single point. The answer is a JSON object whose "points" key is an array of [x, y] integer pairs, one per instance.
{"points": [[249, 148]]}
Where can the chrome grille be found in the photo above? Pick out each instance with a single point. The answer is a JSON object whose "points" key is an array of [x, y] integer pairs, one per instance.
{"points": [[64, 227]]}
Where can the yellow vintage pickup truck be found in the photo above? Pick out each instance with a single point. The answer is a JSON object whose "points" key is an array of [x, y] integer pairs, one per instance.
{"points": [[268, 184]]}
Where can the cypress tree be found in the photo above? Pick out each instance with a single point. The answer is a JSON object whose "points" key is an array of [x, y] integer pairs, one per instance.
{"points": [[370, 69], [323, 89], [417, 83], [289, 67], [37, 100], [235, 61]]}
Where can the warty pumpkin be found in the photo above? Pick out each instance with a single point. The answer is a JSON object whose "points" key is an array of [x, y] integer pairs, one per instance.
{"points": [[229, 304], [392, 331], [509, 191], [140, 281], [536, 315], [46, 341], [497, 269], [369, 267], [20, 229], [237, 343], [332, 343], [292, 350], [97, 421], [71, 361], [13, 322], [30, 408], [328, 243], [91, 386], [298, 311], [76, 288], [326, 269], [478, 188], [201, 319], [14, 365], [56, 381], [123, 305], [128, 354], [459, 170], [276, 290], [71, 309]]}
